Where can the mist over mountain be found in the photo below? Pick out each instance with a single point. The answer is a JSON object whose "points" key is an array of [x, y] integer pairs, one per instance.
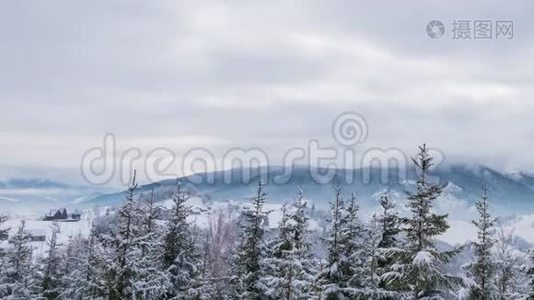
{"points": [[509, 193], [33, 183], [41, 194]]}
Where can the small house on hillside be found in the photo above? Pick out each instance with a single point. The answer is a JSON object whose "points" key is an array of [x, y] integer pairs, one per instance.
{"points": [[37, 235], [59, 215], [62, 216]]}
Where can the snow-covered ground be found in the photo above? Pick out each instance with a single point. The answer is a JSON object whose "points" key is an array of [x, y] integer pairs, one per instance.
{"points": [[460, 231], [67, 230]]}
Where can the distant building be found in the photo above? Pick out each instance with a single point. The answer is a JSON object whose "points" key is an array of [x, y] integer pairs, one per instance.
{"points": [[37, 235], [62, 216]]}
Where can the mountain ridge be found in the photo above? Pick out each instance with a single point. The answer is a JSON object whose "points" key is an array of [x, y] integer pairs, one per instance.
{"points": [[509, 193]]}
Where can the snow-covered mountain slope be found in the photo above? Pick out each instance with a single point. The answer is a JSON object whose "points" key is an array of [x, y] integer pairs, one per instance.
{"points": [[508, 194]]}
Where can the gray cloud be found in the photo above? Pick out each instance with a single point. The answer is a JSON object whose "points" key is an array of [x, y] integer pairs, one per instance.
{"points": [[265, 74]]}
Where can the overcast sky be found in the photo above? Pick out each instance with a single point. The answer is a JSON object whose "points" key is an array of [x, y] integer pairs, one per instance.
{"points": [[268, 74]]}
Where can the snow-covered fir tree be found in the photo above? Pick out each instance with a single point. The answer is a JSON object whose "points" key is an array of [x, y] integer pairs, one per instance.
{"points": [[4, 234], [52, 271], [150, 241], [288, 267], [418, 267], [246, 267], [151, 213], [85, 278], [510, 275], [218, 247], [126, 271], [482, 268], [373, 268], [181, 256], [530, 275], [121, 272], [299, 226], [388, 221], [17, 276], [70, 254], [352, 256], [352, 269], [277, 264], [333, 279], [3, 229]]}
